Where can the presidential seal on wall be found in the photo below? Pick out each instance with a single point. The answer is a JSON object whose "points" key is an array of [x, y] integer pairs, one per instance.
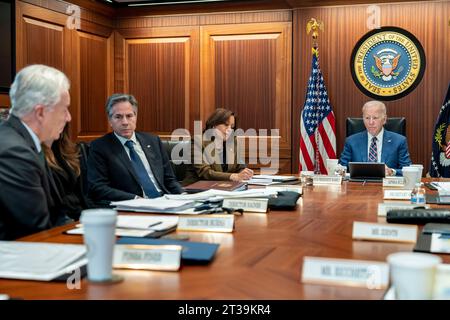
{"points": [[387, 63]]}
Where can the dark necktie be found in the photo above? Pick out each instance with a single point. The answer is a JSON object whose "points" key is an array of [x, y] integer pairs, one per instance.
{"points": [[224, 157], [373, 153], [146, 183]]}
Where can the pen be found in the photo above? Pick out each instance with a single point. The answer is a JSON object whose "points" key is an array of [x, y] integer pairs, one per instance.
{"points": [[154, 224], [203, 207], [139, 228]]}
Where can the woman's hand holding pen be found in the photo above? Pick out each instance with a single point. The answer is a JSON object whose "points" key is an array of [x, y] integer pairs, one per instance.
{"points": [[245, 174]]}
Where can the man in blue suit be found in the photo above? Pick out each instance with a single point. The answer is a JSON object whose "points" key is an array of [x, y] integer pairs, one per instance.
{"points": [[376, 144]]}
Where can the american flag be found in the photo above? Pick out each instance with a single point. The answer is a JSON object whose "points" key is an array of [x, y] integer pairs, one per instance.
{"points": [[317, 125], [440, 156]]}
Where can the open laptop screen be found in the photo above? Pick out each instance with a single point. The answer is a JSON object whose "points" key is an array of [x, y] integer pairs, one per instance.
{"points": [[366, 171]]}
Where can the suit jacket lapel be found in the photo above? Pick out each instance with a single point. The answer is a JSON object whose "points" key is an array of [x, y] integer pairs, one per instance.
{"points": [[387, 140], [19, 127], [365, 146], [216, 166], [48, 183]]}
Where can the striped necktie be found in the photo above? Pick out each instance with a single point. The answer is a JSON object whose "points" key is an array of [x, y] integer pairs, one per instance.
{"points": [[373, 153]]}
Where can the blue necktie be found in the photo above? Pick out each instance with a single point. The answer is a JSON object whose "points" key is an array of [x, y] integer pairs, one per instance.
{"points": [[373, 153], [146, 183]]}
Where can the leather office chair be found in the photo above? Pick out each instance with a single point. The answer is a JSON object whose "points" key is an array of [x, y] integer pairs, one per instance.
{"points": [[181, 168], [355, 125]]}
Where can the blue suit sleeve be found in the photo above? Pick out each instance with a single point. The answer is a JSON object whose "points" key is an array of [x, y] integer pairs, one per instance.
{"points": [[403, 156], [346, 155]]}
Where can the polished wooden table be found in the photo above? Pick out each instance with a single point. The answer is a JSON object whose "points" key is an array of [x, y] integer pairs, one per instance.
{"points": [[261, 259]]}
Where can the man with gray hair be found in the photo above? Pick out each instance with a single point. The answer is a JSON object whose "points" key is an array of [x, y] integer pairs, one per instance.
{"points": [[39, 111], [126, 164], [376, 144]]}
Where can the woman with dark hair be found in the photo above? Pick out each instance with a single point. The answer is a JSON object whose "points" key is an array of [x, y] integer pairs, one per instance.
{"points": [[219, 153], [63, 159]]}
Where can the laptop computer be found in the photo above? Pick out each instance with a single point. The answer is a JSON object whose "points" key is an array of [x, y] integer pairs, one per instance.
{"points": [[367, 171]]}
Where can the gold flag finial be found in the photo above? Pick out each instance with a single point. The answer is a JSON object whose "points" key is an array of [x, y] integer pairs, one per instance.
{"points": [[314, 25]]}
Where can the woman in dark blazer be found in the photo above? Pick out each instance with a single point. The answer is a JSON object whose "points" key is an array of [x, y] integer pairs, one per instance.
{"points": [[219, 154], [63, 158]]}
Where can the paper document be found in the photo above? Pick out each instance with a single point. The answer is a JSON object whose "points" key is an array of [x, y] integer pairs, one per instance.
{"points": [[275, 178], [440, 243], [137, 226], [161, 204], [39, 260], [120, 232], [157, 223], [220, 194], [441, 185], [261, 182]]}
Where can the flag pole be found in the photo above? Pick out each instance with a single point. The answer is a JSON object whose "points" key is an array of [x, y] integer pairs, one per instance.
{"points": [[314, 25]]}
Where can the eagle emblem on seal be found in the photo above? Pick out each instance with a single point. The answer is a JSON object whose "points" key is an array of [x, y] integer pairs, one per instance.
{"points": [[386, 62]]}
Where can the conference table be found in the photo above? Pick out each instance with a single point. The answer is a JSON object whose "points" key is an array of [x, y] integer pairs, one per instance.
{"points": [[261, 259]]}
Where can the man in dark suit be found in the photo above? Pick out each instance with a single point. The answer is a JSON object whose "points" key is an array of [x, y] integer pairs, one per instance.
{"points": [[126, 164], [376, 144], [39, 111]]}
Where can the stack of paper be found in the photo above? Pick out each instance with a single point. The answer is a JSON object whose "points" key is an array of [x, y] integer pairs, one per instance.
{"points": [[275, 178], [266, 180], [443, 188], [138, 226], [39, 261], [220, 194], [158, 205]]}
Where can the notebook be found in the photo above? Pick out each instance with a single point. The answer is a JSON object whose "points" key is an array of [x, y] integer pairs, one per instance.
{"points": [[193, 252], [367, 171], [204, 185]]}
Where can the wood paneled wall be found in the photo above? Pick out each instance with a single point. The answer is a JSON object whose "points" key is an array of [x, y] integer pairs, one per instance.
{"points": [[247, 68], [344, 26], [181, 68], [182, 64], [4, 100], [95, 78], [85, 55], [159, 66]]}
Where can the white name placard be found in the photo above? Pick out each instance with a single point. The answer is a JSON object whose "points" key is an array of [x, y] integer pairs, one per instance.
{"points": [[211, 223], [329, 180], [247, 204], [384, 232], [148, 257], [384, 207], [397, 194], [345, 272], [394, 182]]}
